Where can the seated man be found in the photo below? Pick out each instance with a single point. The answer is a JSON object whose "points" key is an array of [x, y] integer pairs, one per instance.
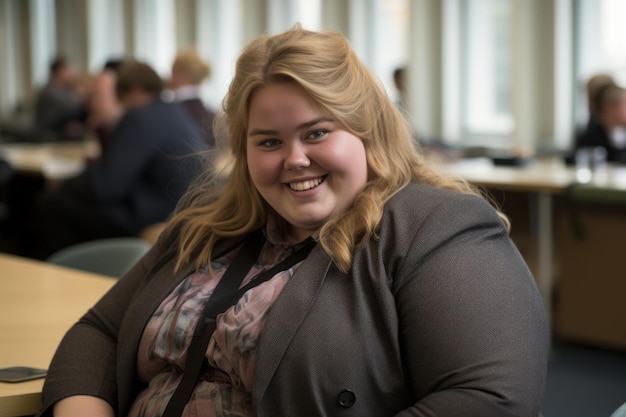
{"points": [[104, 108], [147, 165], [59, 107]]}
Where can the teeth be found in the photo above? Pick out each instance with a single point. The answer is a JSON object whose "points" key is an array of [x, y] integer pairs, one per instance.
{"points": [[305, 185]]}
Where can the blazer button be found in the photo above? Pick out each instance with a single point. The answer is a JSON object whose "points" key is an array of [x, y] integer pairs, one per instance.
{"points": [[346, 398]]}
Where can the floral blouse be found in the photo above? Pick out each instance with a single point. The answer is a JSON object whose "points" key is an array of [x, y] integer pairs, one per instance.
{"points": [[225, 389]]}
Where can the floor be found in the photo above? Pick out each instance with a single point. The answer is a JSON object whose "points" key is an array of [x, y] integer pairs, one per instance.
{"points": [[584, 382]]}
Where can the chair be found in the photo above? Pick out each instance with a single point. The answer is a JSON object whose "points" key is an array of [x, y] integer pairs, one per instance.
{"points": [[6, 172], [111, 256], [620, 412]]}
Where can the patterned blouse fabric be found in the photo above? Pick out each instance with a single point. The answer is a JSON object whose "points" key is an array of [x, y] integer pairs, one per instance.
{"points": [[225, 389]]}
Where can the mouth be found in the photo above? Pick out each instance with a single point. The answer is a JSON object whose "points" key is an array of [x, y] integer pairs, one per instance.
{"points": [[306, 185]]}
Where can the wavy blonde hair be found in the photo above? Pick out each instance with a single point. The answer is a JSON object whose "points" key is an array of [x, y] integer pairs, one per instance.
{"points": [[327, 69], [189, 62]]}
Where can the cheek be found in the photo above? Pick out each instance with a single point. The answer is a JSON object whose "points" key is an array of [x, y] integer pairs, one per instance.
{"points": [[349, 159], [262, 168], [361, 171]]}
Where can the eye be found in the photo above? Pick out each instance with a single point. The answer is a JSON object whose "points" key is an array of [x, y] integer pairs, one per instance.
{"points": [[269, 143], [317, 134]]}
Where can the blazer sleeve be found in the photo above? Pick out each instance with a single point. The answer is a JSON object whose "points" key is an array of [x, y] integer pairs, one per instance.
{"points": [[85, 362], [472, 323]]}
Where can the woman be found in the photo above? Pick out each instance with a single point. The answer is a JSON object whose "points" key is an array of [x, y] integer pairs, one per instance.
{"points": [[413, 300], [607, 124]]}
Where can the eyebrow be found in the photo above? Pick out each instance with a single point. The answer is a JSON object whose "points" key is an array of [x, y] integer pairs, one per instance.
{"points": [[258, 132]]}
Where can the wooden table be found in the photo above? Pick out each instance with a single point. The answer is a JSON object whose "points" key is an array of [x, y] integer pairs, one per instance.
{"points": [[53, 161], [543, 176], [38, 304]]}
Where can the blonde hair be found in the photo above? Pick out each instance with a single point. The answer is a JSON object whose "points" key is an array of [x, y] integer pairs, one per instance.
{"points": [[189, 62], [328, 70]]}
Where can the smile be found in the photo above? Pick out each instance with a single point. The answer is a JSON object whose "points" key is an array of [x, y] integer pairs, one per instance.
{"points": [[306, 185]]}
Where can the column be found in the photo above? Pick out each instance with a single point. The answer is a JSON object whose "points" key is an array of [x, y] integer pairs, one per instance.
{"points": [[564, 83], [335, 15], [220, 41], [71, 26], [43, 39], [10, 73], [105, 32], [154, 33], [451, 62], [425, 68]]}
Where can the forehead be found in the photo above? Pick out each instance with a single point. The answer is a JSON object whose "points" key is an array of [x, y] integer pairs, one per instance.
{"points": [[284, 99], [276, 92]]}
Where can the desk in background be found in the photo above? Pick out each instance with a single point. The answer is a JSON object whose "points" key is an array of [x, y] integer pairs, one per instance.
{"points": [[52, 161], [590, 305], [38, 304], [36, 167]]}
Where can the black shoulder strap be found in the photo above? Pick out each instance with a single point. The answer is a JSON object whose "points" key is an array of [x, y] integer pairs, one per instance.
{"points": [[226, 293], [218, 302], [287, 263]]}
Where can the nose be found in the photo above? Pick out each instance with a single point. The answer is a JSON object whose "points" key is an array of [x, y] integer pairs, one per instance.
{"points": [[296, 156]]}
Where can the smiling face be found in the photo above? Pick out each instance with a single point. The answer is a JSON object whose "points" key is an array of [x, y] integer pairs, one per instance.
{"points": [[306, 166]]}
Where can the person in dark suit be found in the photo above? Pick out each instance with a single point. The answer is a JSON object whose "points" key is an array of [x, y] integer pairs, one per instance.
{"points": [[592, 87], [139, 178], [60, 105], [189, 70], [104, 108], [406, 296], [607, 125]]}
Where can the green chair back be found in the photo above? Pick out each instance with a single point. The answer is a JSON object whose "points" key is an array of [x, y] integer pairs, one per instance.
{"points": [[112, 256]]}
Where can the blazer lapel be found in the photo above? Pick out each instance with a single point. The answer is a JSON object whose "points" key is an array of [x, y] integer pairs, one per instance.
{"points": [[286, 315]]}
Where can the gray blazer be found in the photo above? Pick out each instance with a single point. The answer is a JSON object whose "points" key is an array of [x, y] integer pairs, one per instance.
{"points": [[438, 317]]}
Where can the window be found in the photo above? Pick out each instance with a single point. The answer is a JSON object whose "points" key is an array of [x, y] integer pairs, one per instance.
{"points": [[600, 40], [613, 33], [486, 68], [391, 46]]}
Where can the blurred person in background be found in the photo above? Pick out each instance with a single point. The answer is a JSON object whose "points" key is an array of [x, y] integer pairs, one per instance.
{"points": [[60, 104], [594, 84], [147, 165], [104, 108], [607, 122], [189, 70], [399, 82]]}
